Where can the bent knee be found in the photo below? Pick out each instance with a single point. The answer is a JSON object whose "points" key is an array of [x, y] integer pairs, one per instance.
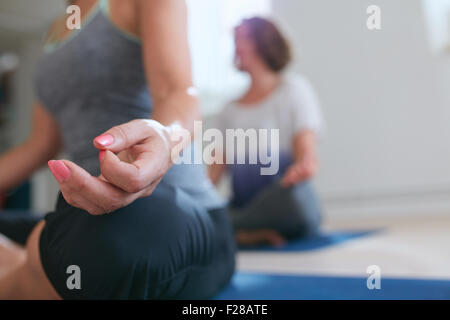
{"points": [[32, 282], [168, 213], [168, 227]]}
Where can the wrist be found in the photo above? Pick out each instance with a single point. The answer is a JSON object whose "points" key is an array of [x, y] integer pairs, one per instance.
{"points": [[174, 136]]}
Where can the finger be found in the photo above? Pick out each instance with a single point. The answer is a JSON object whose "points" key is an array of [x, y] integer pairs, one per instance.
{"points": [[63, 175], [130, 177], [123, 156], [124, 136], [286, 180], [292, 175], [84, 191]]}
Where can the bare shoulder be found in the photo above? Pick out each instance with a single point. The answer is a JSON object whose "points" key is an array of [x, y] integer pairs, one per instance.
{"points": [[125, 14], [56, 30]]}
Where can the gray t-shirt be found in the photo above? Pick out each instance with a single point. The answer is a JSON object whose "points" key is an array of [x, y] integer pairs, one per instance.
{"points": [[95, 80], [291, 108]]}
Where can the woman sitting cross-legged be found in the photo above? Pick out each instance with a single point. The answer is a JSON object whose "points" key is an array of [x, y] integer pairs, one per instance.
{"points": [[272, 208]]}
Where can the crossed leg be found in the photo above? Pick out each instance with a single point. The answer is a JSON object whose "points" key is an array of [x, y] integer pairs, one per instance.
{"points": [[24, 277], [277, 214], [11, 255]]}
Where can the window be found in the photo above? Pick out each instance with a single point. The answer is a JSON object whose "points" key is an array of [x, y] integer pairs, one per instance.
{"points": [[211, 24], [437, 14]]}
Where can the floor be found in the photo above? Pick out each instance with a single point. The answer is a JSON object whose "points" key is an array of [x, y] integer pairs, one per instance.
{"points": [[416, 248]]}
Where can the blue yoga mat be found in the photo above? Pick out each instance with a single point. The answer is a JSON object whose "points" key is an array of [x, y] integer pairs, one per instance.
{"points": [[314, 243], [245, 286]]}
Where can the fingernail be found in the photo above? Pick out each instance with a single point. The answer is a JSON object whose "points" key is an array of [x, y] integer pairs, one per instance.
{"points": [[101, 155], [105, 140], [59, 170]]}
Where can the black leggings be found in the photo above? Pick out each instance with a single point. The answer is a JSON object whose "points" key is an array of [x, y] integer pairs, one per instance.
{"points": [[17, 225], [293, 212], [165, 246]]}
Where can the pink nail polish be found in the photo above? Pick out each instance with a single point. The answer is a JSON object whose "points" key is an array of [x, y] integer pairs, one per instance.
{"points": [[59, 170], [101, 155], [105, 140]]}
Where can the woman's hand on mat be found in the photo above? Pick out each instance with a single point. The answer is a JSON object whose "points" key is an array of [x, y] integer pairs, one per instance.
{"points": [[133, 159], [300, 171]]}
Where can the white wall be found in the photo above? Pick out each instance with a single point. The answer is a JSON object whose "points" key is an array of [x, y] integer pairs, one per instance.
{"points": [[386, 100], [437, 16]]}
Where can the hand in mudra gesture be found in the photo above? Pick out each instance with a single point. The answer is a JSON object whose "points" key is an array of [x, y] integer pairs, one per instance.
{"points": [[133, 159]]}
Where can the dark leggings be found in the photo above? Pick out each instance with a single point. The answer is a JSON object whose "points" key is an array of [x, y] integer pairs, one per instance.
{"points": [[293, 212], [17, 225], [165, 246]]}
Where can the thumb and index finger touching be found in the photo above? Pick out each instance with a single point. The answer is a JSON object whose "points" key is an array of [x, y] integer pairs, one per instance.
{"points": [[131, 177], [123, 136]]}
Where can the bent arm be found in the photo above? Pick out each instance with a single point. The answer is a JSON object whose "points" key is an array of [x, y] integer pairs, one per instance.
{"points": [[304, 145], [135, 156], [43, 143], [305, 159], [163, 29]]}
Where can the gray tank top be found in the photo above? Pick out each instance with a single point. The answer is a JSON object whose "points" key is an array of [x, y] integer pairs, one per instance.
{"points": [[94, 80]]}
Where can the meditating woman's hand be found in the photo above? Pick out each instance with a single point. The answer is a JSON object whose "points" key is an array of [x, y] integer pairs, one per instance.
{"points": [[306, 162], [136, 155], [300, 171], [133, 159]]}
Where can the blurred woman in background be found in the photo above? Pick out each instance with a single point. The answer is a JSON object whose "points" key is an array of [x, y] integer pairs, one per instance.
{"points": [[272, 209]]}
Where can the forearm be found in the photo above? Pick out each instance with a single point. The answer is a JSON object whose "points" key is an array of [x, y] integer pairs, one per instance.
{"points": [[178, 120], [305, 159], [179, 106], [163, 29], [304, 146]]}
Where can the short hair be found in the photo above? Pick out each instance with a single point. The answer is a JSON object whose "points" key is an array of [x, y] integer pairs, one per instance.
{"points": [[272, 46]]}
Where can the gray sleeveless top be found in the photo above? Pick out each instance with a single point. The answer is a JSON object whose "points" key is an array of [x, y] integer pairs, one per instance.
{"points": [[94, 80]]}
